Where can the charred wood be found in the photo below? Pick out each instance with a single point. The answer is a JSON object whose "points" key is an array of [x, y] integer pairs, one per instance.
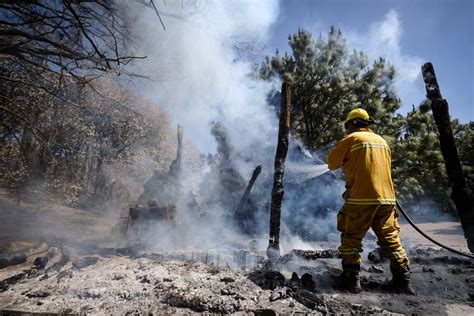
{"points": [[76, 267], [5, 284], [12, 259], [267, 280], [38, 294], [377, 256], [84, 262], [56, 268], [41, 262], [165, 187], [311, 300], [461, 194], [176, 165], [245, 196], [273, 250], [313, 254], [152, 213]]}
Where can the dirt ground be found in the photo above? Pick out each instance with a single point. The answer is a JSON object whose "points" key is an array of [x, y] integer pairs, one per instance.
{"points": [[81, 270]]}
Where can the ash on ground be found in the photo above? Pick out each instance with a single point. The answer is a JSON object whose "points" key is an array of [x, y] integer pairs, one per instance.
{"points": [[66, 280], [41, 271]]}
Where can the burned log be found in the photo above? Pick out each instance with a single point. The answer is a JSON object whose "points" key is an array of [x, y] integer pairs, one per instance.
{"points": [[12, 259], [164, 213], [315, 254], [5, 284], [164, 186], [84, 262], [57, 267], [245, 196], [176, 165], [461, 194], [273, 250]]}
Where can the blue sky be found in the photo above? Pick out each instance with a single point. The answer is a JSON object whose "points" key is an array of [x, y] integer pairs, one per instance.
{"points": [[406, 32]]}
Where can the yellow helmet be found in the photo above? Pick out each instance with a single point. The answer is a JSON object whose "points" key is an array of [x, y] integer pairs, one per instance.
{"points": [[358, 113]]}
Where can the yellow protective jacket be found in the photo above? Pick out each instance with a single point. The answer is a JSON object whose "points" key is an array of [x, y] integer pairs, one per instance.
{"points": [[366, 160]]}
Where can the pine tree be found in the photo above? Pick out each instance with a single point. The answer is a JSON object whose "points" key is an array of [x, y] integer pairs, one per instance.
{"points": [[464, 136], [417, 162], [328, 82]]}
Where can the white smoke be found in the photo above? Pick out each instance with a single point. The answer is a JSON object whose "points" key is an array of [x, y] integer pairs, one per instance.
{"points": [[383, 39], [200, 78]]}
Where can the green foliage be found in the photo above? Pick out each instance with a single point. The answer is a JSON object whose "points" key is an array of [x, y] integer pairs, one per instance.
{"points": [[328, 82], [418, 165], [464, 136]]}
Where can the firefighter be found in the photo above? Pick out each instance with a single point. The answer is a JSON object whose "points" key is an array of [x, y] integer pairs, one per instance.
{"points": [[369, 202]]}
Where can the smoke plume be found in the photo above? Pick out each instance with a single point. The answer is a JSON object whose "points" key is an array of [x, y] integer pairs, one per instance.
{"points": [[203, 79]]}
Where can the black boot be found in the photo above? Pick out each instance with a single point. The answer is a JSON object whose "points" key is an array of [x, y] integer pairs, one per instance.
{"points": [[400, 282], [349, 280]]}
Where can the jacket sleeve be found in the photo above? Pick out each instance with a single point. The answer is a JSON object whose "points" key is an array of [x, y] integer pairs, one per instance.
{"points": [[338, 155]]}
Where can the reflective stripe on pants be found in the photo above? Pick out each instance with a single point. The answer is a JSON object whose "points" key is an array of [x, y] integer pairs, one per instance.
{"points": [[353, 221]]}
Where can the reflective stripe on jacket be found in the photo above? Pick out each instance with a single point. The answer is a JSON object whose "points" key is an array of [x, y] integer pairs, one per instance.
{"points": [[366, 160]]}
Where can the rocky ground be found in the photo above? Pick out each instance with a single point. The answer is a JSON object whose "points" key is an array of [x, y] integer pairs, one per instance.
{"points": [[49, 273]]}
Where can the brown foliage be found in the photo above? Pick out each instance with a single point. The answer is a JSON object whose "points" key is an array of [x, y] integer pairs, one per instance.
{"points": [[78, 151]]}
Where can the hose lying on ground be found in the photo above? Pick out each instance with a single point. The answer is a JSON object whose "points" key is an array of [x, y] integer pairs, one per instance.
{"points": [[400, 208]]}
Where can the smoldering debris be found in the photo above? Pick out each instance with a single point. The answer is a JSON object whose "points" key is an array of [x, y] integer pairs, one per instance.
{"points": [[84, 262], [12, 259], [193, 281], [312, 254], [223, 201], [77, 265], [227, 275], [227, 117], [377, 256], [55, 268]]}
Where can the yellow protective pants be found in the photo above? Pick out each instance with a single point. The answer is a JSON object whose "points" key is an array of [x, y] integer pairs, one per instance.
{"points": [[353, 221]]}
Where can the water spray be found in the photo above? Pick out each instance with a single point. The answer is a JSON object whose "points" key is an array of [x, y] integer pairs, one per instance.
{"points": [[301, 172]]}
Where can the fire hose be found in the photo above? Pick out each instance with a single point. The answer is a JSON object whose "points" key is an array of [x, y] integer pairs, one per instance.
{"points": [[400, 208]]}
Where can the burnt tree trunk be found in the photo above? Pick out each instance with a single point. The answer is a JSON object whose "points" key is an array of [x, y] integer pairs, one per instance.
{"points": [[461, 195], [28, 145], [179, 153], [99, 176], [273, 250], [176, 165], [245, 196]]}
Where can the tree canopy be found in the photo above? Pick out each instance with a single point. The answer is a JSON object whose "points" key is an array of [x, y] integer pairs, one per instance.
{"points": [[328, 81], [61, 124]]}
